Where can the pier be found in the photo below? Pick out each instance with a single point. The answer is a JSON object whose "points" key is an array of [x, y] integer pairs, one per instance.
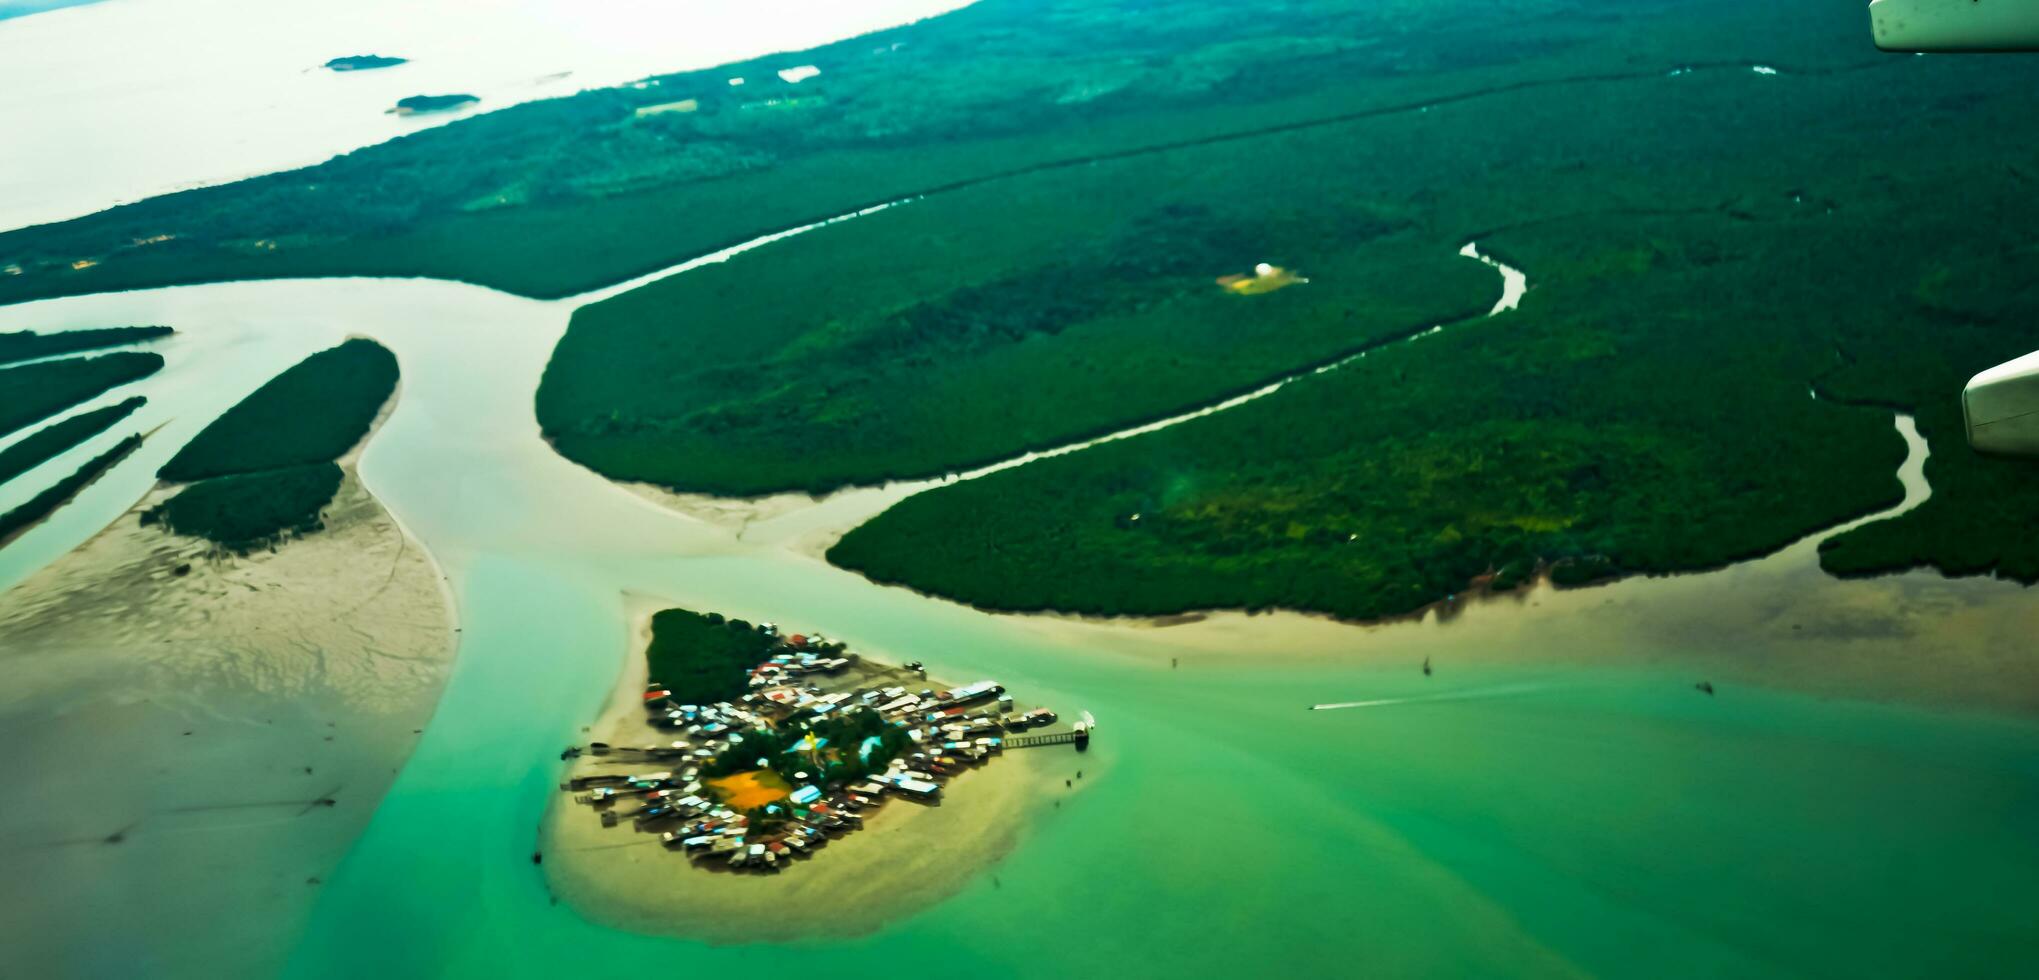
{"points": [[1078, 736], [1079, 739]]}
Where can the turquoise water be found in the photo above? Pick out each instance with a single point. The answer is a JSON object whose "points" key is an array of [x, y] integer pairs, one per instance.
{"points": [[1551, 822]]}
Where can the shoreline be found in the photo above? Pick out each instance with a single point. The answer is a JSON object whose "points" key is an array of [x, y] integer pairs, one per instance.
{"points": [[112, 458], [211, 726], [1775, 620], [908, 858]]}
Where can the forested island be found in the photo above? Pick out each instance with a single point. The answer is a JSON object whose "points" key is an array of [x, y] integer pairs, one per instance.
{"points": [[23, 345], [1709, 248], [768, 745], [265, 469], [54, 439], [33, 392], [30, 393], [21, 518], [419, 104], [702, 658], [364, 62]]}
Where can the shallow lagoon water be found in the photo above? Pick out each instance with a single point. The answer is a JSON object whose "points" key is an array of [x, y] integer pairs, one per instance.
{"points": [[1558, 800]]}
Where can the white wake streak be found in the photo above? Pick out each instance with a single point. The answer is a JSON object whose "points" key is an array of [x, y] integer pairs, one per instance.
{"points": [[1475, 694]]}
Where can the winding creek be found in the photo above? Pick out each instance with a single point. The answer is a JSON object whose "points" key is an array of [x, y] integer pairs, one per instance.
{"points": [[1558, 800]]}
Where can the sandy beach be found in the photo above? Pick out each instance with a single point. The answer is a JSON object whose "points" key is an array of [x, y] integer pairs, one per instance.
{"points": [[180, 721], [907, 857]]}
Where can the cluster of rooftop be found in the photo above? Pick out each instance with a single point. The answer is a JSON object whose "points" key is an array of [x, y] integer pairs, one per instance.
{"points": [[820, 740]]}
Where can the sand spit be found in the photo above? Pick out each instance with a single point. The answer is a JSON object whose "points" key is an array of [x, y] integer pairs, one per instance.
{"points": [[907, 858], [176, 724]]}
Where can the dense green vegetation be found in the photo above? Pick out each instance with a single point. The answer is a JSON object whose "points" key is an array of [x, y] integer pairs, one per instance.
{"points": [[45, 503], [46, 443], [703, 659], [364, 62], [552, 198], [33, 392], [264, 468], [974, 326], [1978, 521], [434, 103], [22, 345], [312, 412], [839, 760], [1707, 244], [246, 511], [1645, 411], [1980, 518]]}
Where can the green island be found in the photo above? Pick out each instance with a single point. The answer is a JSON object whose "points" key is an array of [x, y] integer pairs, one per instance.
{"points": [[43, 504], [703, 657], [364, 62], [52, 440], [22, 345], [265, 469], [244, 511], [33, 392], [412, 105], [314, 411], [778, 743]]}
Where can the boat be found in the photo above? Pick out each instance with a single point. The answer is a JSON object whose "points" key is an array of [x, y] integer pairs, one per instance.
{"points": [[1032, 719]]}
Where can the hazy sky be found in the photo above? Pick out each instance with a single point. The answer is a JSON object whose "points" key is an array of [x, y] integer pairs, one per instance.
{"points": [[22, 8], [121, 100]]}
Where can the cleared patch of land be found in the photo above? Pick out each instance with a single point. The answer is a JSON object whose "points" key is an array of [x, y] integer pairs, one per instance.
{"points": [[748, 791]]}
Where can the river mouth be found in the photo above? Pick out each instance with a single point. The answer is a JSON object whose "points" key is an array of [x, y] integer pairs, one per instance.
{"points": [[1553, 798]]}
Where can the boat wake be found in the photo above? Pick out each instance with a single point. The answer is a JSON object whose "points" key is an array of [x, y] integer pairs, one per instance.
{"points": [[1473, 694]]}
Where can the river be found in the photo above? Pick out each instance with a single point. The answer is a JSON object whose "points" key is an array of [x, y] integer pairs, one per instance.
{"points": [[1557, 800]]}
